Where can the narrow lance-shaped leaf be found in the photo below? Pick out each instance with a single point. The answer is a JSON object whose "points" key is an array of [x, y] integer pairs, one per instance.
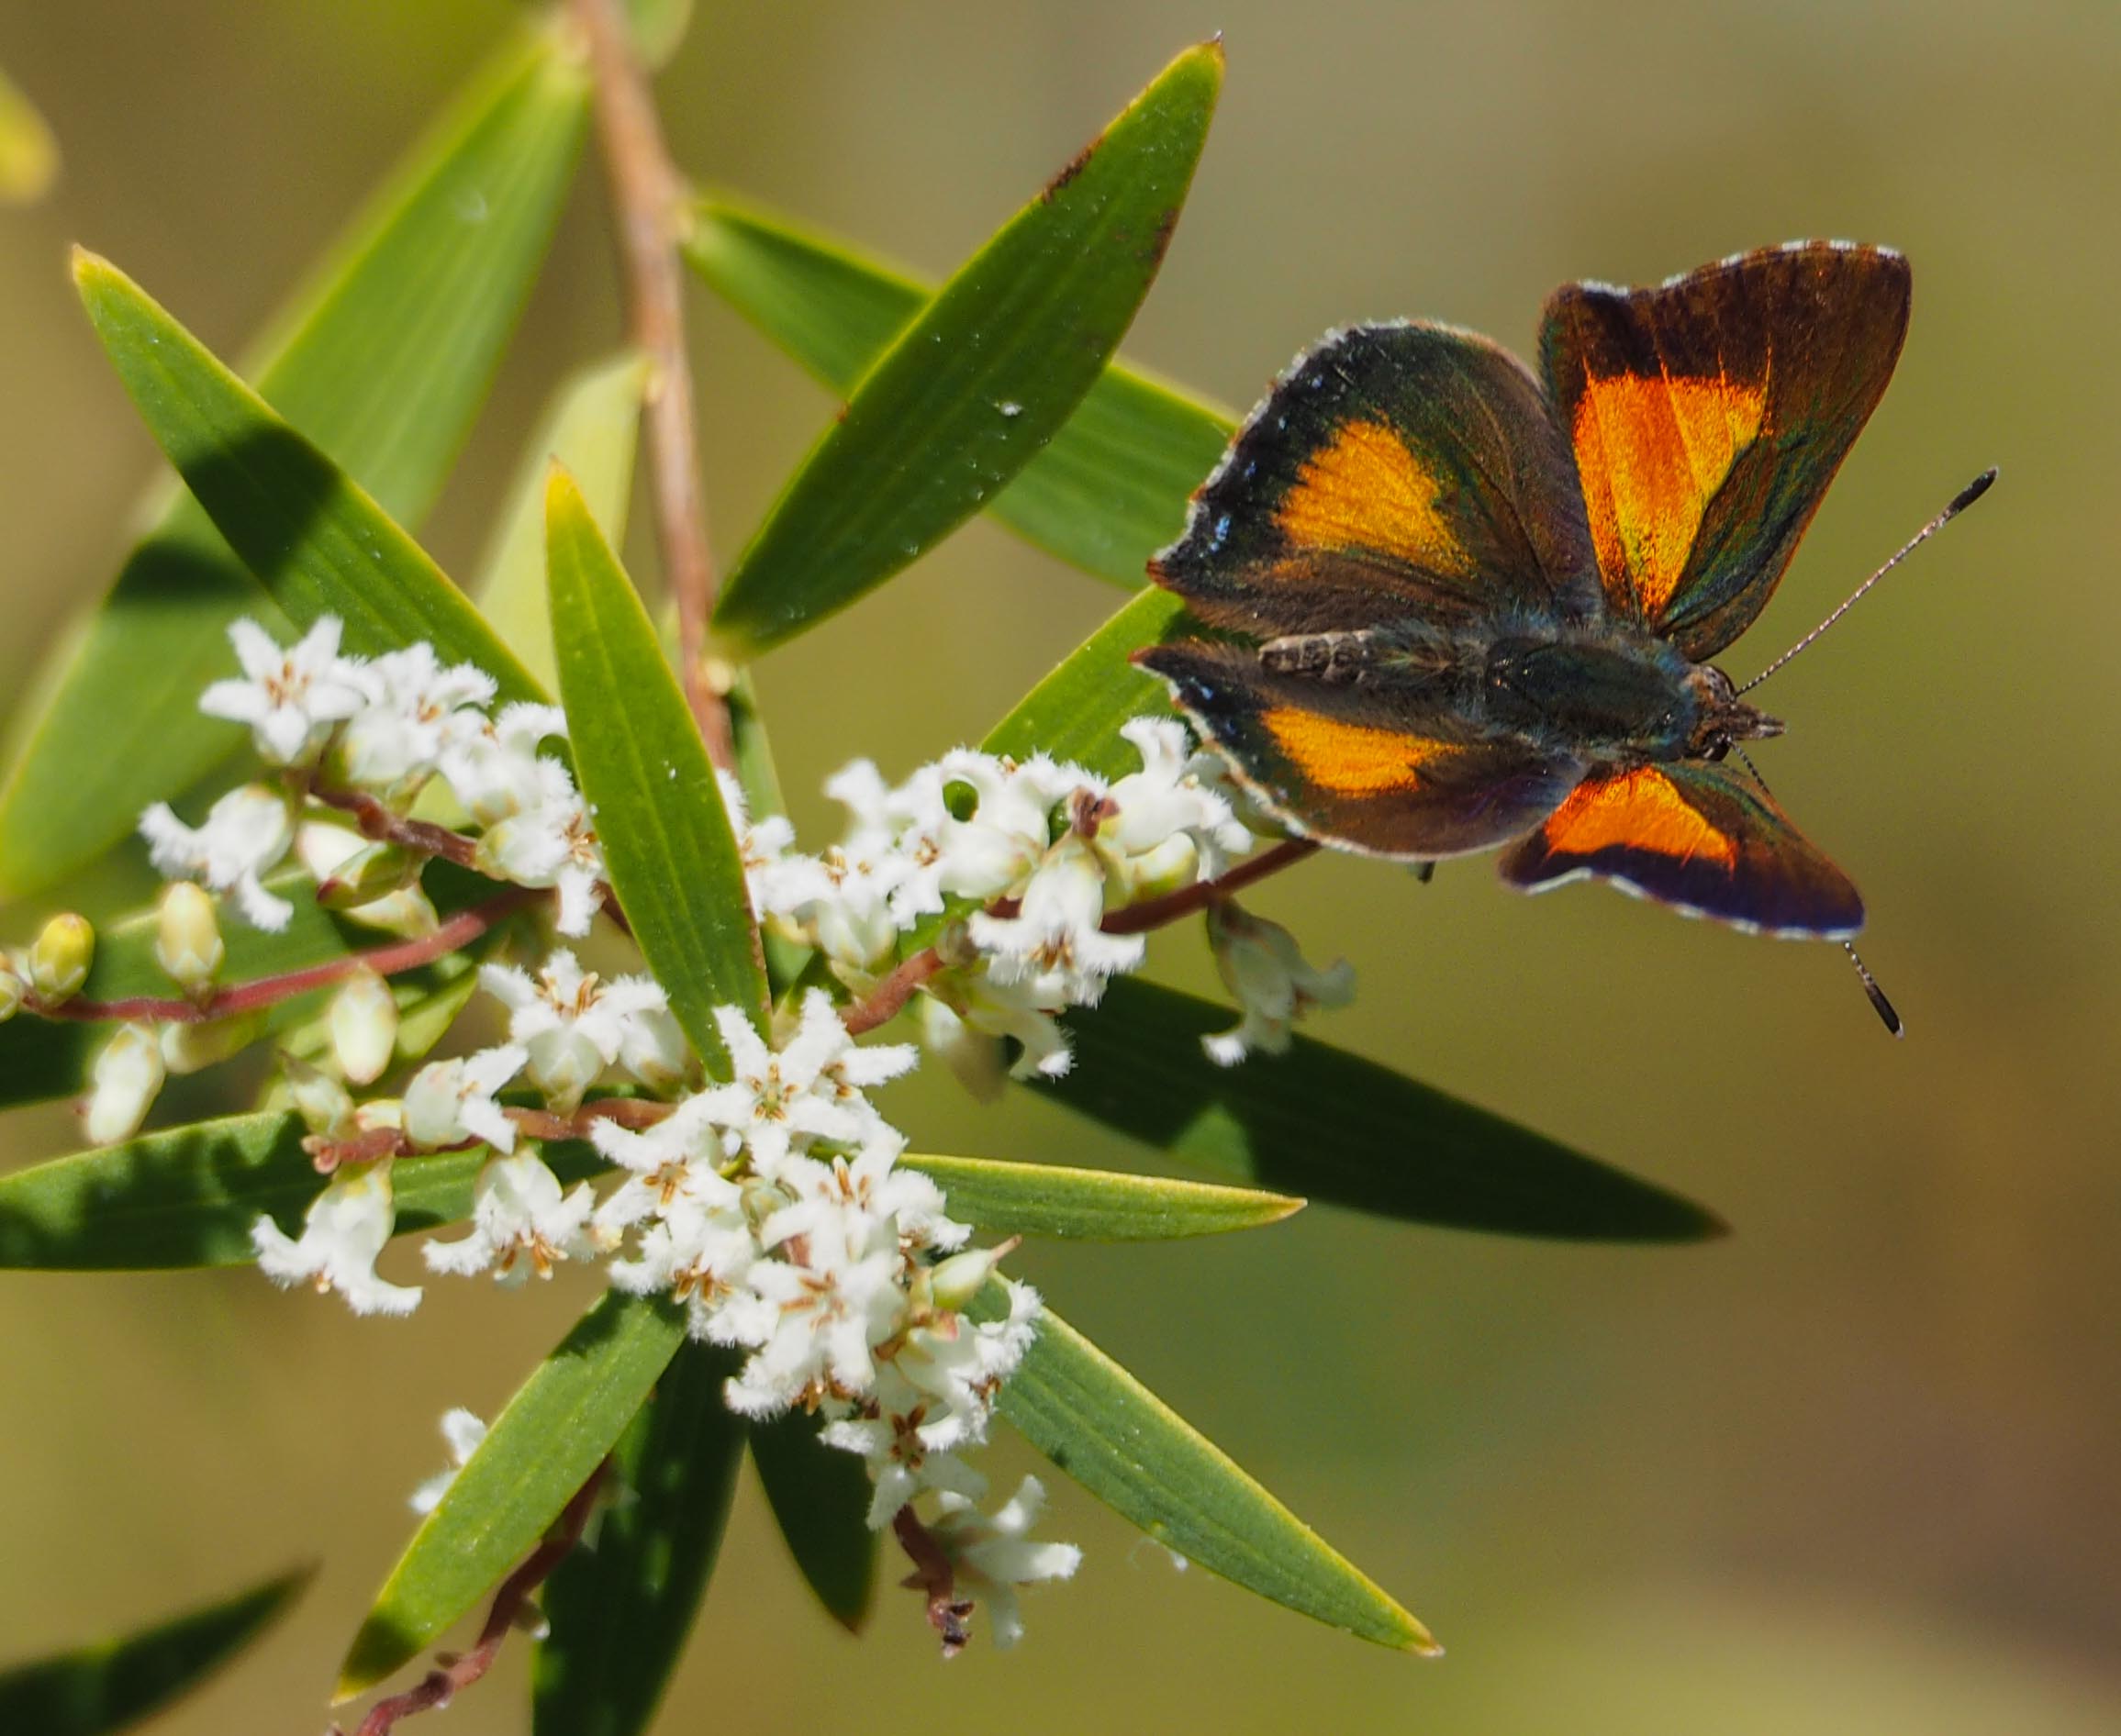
{"points": [[1095, 1205], [382, 363], [1346, 1131], [820, 1497], [1150, 1465], [659, 815], [591, 430], [978, 383], [310, 534], [111, 1686], [187, 1197], [1110, 489], [541, 1450], [622, 1606]]}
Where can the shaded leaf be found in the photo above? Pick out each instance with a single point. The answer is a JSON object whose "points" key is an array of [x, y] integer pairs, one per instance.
{"points": [[1110, 489], [383, 362], [820, 1497], [1151, 1466], [540, 1451], [985, 376], [187, 1197], [645, 770], [1044, 1199], [622, 1606], [309, 533], [114, 1685], [1344, 1131], [591, 429]]}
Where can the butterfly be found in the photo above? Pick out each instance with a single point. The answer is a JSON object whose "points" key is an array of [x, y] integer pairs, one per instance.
{"points": [[1439, 604]]}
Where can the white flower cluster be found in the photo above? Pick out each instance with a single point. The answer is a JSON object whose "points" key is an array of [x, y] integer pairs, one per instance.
{"points": [[384, 727], [1046, 850]]}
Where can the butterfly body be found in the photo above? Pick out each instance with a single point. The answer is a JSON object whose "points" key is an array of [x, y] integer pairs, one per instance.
{"points": [[1439, 604]]}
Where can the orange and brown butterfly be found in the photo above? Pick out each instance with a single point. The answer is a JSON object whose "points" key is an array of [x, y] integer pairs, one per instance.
{"points": [[1440, 604]]}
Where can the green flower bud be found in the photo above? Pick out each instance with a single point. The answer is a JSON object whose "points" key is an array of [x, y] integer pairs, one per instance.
{"points": [[324, 1104], [189, 1045], [952, 1283], [12, 990], [368, 874], [188, 937], [60, 958]]}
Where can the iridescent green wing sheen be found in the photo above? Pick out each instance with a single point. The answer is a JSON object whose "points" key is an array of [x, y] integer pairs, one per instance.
{"points": [[1699, 837], [1708, 415], [1401, 470], [1361, 768]]}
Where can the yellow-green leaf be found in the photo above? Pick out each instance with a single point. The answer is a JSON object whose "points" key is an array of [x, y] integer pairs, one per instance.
{"points": [[985, 376], [29, 154], [1046, 1199]]}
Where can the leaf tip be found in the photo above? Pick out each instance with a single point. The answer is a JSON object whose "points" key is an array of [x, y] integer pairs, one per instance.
{"points": [[563, 493]]}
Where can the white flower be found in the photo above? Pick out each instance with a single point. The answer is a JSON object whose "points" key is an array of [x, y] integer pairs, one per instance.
{"points": [[1054, 943], [906, 1449], [466, 1433], [980, 1012], [450, 1101], [345, 1230], [961, 1364], [245, 835], [549, 842], [520, 1222], [572, 1024], [495, 771], [993, 1556], [292, 699], [654, 1051], [863, 1204], [1259, 963], [701, 1255], [675, 1161], [128, 1074], [414, 707], [811, 1328], [1176, 793], [994, 852], [810, 1089]]}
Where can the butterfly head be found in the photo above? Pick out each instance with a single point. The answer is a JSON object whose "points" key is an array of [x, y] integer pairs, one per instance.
{"points": [[1721, 717]]}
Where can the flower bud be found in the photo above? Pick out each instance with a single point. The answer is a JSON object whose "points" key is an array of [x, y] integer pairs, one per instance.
{"points": [[12, 990], [366, 875], [60, 958], [188, 937], [123, 1083], [654, 1049], [952, 1283], [324, 1104], [190, 1044], [363, 1020]]}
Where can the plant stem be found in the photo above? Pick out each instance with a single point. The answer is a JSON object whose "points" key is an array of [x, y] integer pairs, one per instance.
{"points": [[648, 195]]}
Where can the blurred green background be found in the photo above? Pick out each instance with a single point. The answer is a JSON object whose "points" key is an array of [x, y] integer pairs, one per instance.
{"points": [[1851, 1469]]}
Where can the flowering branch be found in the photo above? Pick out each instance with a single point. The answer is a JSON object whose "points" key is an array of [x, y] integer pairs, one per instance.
{"points": [[456, 932], [440, 1686], [649, 193]]}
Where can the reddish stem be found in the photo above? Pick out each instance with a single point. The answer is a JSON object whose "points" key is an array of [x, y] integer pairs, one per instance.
{"points": [[368, 1146], [381, 825], [439, 1687], [883, 1002], [455, 931], [948, 1614]]}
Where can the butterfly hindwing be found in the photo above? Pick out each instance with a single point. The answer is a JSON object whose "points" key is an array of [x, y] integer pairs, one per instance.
{"points": [[1697, 836], [1348, 766], [1708, 415], [1406, 469]]}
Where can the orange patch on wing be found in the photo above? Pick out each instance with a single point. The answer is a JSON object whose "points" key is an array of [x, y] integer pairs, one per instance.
{"points": [[1636, 810], [1652, 452], [1353, 759], [1365, 490]]}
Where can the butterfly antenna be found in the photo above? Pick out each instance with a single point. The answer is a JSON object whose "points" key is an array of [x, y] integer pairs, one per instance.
{"points": [[1883, 1007], [1966, 497]]}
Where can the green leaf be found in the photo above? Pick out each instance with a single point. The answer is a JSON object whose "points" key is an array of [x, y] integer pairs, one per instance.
{"points": [[622, 1606], [541, 1450], [1077, 712], [1108, 491], [187, 1197], [42, 1059], [761, 783], [309, 533], [114, 1685], [987, 375], [645, 773], [1344, 1131], [382, 363], [1044, 1199], [1151, 1466], [591, 430], [29, 154], [820, 1497]]}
